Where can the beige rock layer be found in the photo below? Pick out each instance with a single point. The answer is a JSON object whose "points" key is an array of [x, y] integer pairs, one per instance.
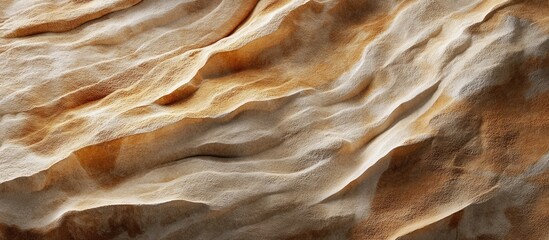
{"points": [[274, 119]]}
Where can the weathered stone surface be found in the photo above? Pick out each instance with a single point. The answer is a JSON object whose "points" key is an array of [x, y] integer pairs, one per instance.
{"points": [[274, 119]]}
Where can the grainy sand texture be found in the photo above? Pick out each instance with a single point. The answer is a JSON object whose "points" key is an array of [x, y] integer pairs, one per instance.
{"points": [[274, 119]]}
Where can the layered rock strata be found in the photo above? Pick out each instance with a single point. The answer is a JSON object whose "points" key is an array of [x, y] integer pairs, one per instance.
{"points": [[274, 119]]}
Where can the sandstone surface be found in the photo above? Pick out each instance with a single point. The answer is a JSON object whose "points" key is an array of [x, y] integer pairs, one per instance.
{"points": [[274, 119]]}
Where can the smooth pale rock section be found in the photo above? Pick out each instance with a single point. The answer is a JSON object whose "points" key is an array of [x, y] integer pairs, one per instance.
{"points": [[274, 119]]}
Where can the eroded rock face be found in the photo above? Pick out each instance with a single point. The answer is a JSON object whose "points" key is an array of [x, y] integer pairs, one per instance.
{"points": [[274, 119]]}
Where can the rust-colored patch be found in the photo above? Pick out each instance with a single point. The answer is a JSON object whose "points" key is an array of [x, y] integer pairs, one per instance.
{"points": [[98, 224], [455, 218], [501, 133], [9, 232], [330, 230], [99, 160]]}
